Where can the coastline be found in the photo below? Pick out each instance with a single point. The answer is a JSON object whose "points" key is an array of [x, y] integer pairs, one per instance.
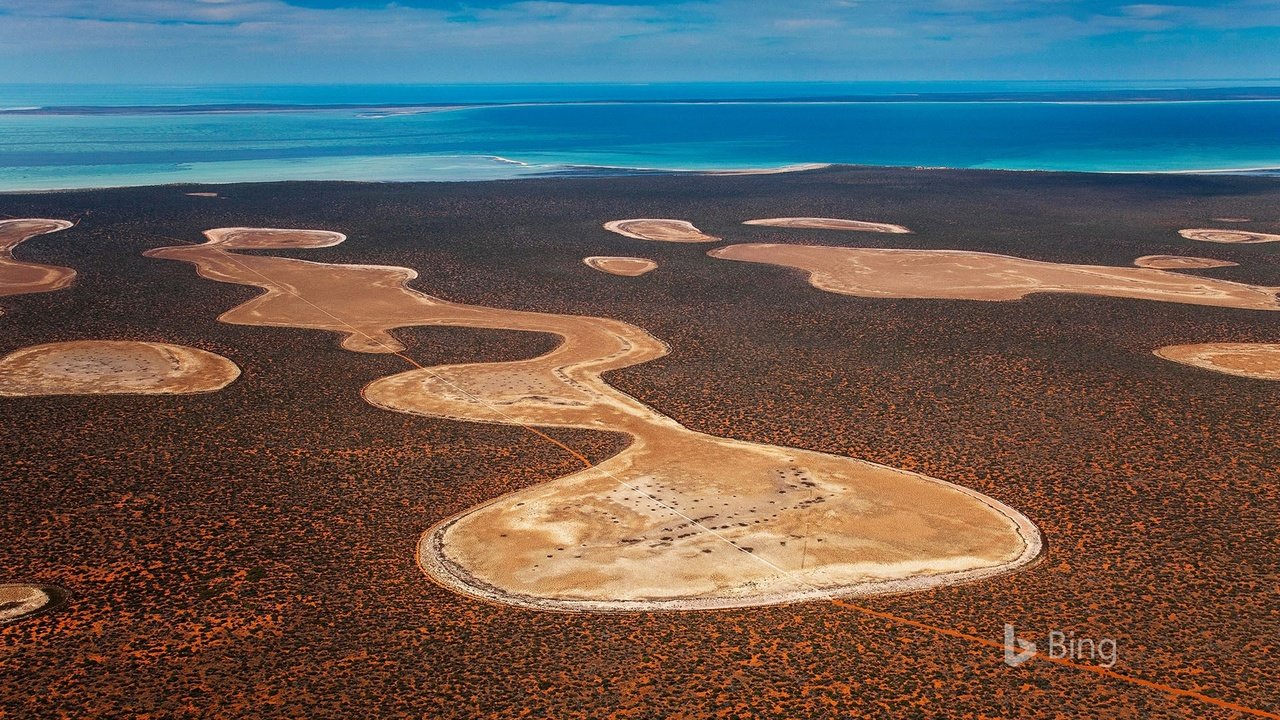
{"points": [[379, 110], [530, 171], [77, 140]]}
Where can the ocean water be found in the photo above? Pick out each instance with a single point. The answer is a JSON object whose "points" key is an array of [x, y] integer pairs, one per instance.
{"points": [[54, 137]]}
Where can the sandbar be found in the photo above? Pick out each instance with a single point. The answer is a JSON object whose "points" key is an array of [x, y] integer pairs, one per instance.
{"points": [[798, 167], [113, 367], [813, 223], [18, 277], [626, 266], [1180, 262], [1234, 237], [659, 229], [679, 519], [1260, 361], [965, 275]]}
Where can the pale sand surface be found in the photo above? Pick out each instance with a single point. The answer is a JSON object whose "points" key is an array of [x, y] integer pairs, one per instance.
{"points": [[19, 278], [203, 194], [659, 229], [799, 167], [678, 520], [1240, 237], [813, 223], [627, 266], [1180, 262], [1231, 219], [113, 367], [1260, 361], [18, 600], [964, 275]]}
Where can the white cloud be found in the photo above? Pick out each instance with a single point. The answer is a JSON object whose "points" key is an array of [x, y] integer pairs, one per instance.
{"points": [[235, 40]]}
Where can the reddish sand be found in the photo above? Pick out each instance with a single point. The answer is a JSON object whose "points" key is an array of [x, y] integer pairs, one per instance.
{"points": [[1180, 262], [19, 278], [963, 275], [661, 230], [813, 223], [1252, 360], [626, 266], [99, 367], [678, 520], [1235, 237]]}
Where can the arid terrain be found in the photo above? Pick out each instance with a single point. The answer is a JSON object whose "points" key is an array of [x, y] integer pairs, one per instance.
{"points": [[255, 551], [1260, 361], [18, 277], [659, 230], [90, 367], [1180, 262], [964, 275], [830, 224], [679, 520], [1230, 237], [625, 266]]}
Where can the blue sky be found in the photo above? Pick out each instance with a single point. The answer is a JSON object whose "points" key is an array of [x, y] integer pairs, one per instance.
{"points": [[325, 41]]}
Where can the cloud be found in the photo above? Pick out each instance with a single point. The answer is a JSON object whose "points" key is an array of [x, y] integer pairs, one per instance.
{"points": [[567, 40]]}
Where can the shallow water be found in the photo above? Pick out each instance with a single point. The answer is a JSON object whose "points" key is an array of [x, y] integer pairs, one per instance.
{"points": [[92, 136]]}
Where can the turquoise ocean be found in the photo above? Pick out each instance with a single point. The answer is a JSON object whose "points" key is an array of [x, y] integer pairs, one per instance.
{"points": [[62, 137]]}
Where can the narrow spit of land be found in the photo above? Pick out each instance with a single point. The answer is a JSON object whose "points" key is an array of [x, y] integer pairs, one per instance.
{"points": [[18, 277], [964, 275], [1180, 262], [815, 223], [678, 520]]}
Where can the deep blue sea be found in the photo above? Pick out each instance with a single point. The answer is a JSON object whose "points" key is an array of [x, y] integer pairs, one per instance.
{"points": [[54, 137]]}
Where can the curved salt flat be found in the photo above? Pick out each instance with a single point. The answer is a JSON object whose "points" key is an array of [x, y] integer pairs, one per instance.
{"points": [[20, 600], [20, 278], [964, 275], [1260, 361], [277, 277], [113, 367], [625, 266], [678, 520], [660, 230], [1234, 237], [813, 223], [1180, 262]]}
